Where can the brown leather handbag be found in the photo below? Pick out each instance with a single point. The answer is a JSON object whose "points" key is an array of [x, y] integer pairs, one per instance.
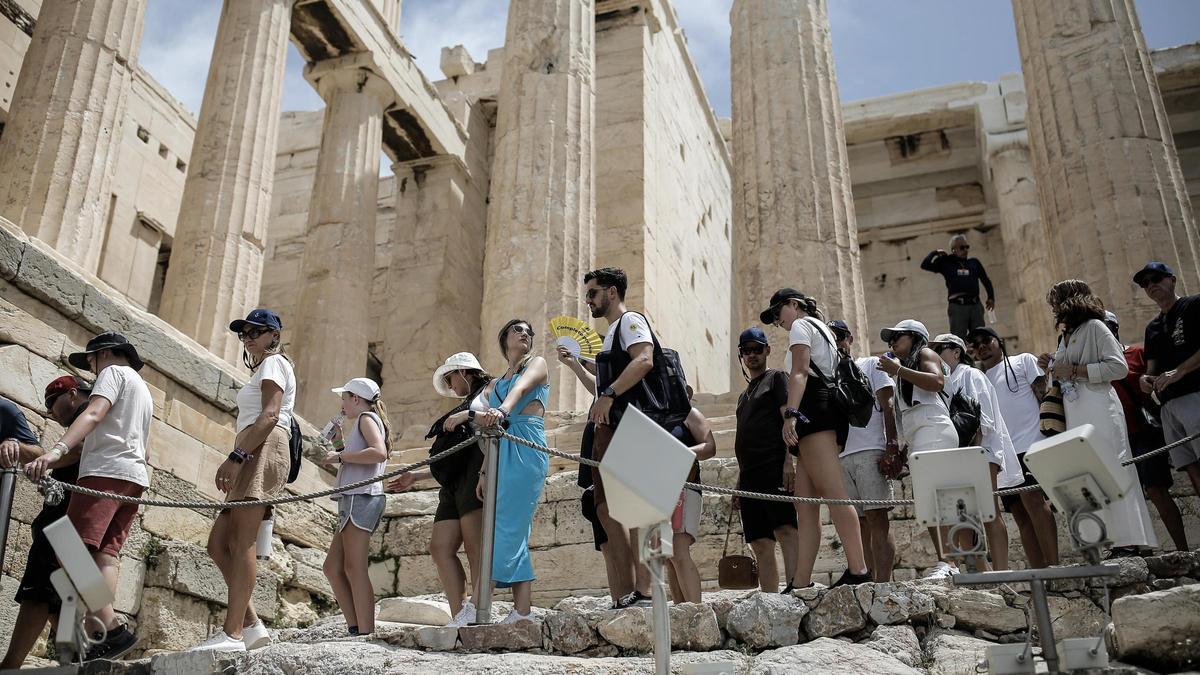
{"points": [[736, 572]]}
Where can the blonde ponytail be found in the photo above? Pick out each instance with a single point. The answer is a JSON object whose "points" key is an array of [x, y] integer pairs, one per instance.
{"points": [[380, 409]]}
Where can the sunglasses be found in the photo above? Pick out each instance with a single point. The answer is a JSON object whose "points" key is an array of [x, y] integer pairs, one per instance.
{"points": [[1151, 279], [976, 344], [757, 349], [896, 337], [964, 247], [252, 334], [593, 292], [522, 330]]}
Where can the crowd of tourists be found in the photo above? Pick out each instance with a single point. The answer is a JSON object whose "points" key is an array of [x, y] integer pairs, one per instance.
{"points": [[794, 436]]}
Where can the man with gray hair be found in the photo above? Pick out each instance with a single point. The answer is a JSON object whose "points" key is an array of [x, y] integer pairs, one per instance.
{"points": [[963, 275]]}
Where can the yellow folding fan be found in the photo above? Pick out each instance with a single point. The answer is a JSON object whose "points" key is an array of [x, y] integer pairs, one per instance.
{"points": [[577, 336]]}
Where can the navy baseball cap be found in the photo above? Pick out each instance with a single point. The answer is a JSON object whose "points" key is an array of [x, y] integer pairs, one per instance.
{"points": [[839, 325], [753, 334], [1153, 267], [263, 318]]}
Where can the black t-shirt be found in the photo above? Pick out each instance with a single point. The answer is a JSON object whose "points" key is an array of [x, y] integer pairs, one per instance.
{"points": [[13, 423], [759, 438], [1173, 338]]}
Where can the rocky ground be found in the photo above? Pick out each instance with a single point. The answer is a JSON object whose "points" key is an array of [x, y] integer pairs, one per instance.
{"points": [[912, 627]]}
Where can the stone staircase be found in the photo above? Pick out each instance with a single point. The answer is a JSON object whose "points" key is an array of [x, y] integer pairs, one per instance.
{"points": [[564, 431]]}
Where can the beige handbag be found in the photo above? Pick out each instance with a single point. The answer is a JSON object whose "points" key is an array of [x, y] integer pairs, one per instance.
{"points": [[736, 572]]}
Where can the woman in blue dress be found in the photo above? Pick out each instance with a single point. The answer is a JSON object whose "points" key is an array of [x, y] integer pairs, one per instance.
{"points": [[520, 397]]}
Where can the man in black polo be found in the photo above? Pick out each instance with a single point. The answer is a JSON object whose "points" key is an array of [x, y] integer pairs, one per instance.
{"points": [[1173, 363], [963, 275]]}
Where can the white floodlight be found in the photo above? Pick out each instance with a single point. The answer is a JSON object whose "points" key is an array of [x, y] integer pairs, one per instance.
{"points": [[643, 469], [80, 586], [949, 483]]}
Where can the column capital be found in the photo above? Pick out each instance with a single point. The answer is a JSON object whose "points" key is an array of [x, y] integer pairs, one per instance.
{"points": [[348, 74], [435, 163], [998, 144]]}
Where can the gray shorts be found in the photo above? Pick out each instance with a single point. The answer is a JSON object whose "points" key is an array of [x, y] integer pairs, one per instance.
{"points": [[860, 473], [363, 511], [1180, 419]]}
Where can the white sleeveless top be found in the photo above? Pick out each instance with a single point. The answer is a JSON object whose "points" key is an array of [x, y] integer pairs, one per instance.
{"points": [[919, 396]]}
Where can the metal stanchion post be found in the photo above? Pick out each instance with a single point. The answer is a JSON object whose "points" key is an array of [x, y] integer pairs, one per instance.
{"points": [[483, 601], [1045, 627], [655, 559], [8, 486]]}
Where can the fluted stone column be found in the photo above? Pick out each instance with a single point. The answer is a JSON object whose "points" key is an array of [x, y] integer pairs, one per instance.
{"points": [[390, 9], [331, 329], [60, 145], [1031, 267], [793, 211], [217, 257], [433, 289], [541, 218], [1112, 193]]}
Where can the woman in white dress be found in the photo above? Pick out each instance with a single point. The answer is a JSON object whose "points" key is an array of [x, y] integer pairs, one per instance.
{"points": [[992, 435], [1086, 363]]}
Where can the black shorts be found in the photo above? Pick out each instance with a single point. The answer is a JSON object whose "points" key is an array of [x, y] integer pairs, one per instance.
{"points": [[760, 517], [1010, 500], [587, 504], [457, 497], [817, 406], [35, 582], [1156, 471]]}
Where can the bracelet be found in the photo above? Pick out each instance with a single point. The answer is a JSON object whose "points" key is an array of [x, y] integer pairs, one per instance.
{"points": [[238, 452]]}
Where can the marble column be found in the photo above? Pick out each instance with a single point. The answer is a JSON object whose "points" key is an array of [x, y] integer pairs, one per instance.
{"points": [[542, 214], [332, 327], [216, 261], [793, 213], [433, 310], [60, 145], [1031, 267], [390, 9], [1112, 193]]}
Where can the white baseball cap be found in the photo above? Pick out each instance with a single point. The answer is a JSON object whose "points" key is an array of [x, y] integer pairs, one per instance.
{"points": [[905, 326], [459, 361], [361, 387]]}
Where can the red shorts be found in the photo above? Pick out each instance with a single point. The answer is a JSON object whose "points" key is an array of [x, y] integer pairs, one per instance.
{"points": [[103, 524]]}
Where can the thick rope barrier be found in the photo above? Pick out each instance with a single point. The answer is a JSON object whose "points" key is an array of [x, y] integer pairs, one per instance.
{"points": [[51, 486]]}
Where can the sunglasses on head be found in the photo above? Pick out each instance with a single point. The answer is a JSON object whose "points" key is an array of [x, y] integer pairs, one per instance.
{"points": [[753, 349], [1151, 279], [252, 333]]}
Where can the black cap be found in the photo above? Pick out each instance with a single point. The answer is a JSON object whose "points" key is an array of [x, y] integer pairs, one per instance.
{"points": [[113, 341], [780, 296], [263, 318], [1153, 267], [840, 326], [983, 330]]}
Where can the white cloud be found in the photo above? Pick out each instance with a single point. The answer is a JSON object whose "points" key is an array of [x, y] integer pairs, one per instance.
{"points": [[177, 44], [429, 25]]}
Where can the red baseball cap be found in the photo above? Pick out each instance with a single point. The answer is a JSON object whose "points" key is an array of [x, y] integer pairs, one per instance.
{"points": [[62, 385]]}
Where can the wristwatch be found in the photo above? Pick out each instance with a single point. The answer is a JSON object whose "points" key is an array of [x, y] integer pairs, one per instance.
{"points": [[236, 458], [609, 392], [471, 415]]}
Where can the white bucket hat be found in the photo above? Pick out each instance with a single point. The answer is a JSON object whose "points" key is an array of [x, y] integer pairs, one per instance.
{"points": [[459, 361], [949, 339], [361, 387]]}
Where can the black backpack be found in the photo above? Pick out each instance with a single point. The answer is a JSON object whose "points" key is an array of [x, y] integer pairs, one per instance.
{"points": [[965, 413], [662, 393], [851, 390], [295, 450]]}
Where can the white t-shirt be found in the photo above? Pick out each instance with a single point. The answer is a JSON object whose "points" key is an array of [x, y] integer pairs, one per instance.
{"points": [[634, 329], [821, 350], [995, 439], [872, 436], [116, 448], [1019, 408], [275, 368]]}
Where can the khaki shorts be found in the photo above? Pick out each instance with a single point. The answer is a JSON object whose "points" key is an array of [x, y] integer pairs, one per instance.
{"points": [[860, 472], [265, 475]]}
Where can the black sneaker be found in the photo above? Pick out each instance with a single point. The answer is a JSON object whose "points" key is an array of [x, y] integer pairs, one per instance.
{"points": [[117, 644], [848, 579], [787, 590], [635, 599]]}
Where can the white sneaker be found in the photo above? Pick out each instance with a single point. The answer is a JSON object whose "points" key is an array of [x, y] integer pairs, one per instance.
{"points": [[942, 570], [256, 636], [220, 643], [465, 616], [515, 616]]}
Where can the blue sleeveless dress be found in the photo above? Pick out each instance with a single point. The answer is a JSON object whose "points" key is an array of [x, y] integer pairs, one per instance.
{"points": [[522, 475]]}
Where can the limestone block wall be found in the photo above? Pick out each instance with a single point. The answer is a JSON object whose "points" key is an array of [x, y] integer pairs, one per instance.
{"points": [[567, 564], [662, 185], [16, 29], [170, 592]]}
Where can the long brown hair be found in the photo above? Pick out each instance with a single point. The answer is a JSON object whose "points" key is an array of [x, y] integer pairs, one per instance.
{"points": [[503, 335], [1074, 303]]}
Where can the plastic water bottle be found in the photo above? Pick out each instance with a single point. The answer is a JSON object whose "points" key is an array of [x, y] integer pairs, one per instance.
{"points": [[331, 428], [991, 316], [1069, 392], [262, 547]]}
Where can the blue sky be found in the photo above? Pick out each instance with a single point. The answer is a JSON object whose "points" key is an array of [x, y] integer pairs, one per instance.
{"points": [[880, 46]]}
